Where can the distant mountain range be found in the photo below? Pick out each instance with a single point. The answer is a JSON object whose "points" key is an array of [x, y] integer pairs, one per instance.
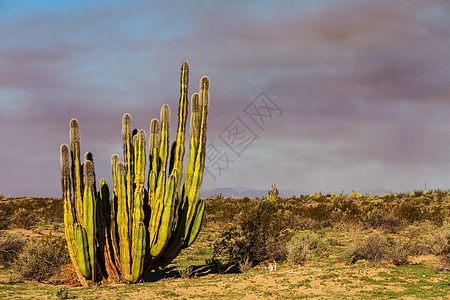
{"points": [[242, 191]]}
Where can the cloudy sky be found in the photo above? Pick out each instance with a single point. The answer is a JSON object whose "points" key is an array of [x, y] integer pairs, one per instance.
{"points": [[311, 95]]}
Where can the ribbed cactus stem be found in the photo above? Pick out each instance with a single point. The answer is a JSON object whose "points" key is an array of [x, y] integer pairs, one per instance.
{"points": [[200, 157], [163, 226], [164, 143], [157, 206], [76, 168], [113, 206], [89, 213], [182, 115], [128, 161], [123, 222], [139, 233], [154, 145], [185, 230], [193, 143], [68, 207], [82, 247]]}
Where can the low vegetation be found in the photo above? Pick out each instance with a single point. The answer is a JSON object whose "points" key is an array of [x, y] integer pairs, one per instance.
{"points": [[326, 246]]}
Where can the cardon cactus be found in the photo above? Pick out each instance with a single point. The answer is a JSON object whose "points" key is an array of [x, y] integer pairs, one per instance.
{"points": [[121, 236], [273, 193]]}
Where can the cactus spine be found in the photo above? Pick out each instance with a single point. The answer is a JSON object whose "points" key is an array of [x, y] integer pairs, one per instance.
{"points": [[143, 226]]}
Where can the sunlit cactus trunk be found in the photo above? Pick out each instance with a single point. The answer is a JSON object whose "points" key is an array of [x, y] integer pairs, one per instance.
{"points": [[139, 227]]}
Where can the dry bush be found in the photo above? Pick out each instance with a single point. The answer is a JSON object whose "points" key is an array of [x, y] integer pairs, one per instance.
{"points": [[42, 258], [402, 250], [377, 248], [66, 275], [297, 251], [440, 243], [24, 218], [187, 272], [374, 248], [9, 248], [300, 246], [245, 265]]}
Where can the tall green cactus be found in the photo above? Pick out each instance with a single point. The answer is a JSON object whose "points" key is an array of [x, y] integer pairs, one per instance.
{"points": [[273, 193], [142, 227]]}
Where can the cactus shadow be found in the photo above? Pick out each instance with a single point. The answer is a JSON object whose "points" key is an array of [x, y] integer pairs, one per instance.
{"points": [[196, 272], [154, 276]]}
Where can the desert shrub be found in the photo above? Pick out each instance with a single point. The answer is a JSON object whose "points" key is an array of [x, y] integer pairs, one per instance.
{"points": [[40, 259], [320, 212], [440, 243], [258, 236], [9, 248], [438, 214], [62, 292], [418, 193], [299, 246], [349, 211], [66, 275], [24, 218], [401, 250], [245, 265], [4, 220], [297, 251], [440, 194], [374, 248], [390, 223], [413, 210], [187, 272], [377, 248]]}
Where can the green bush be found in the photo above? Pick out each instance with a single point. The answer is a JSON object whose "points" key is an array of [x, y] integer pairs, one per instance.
{"points": [[258, 236]]}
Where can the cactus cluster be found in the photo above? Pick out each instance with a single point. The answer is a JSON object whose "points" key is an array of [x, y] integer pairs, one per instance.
{"points": [[148, 218], [273, 193]]}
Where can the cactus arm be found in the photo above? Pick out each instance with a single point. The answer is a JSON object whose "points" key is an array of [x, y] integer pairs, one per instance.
{"points": [[182, 116], [89, 214], [164, 229], [128, 161], [194, 169], [200, 158], [154, 146], [196, 224], [139, 246], [69, 211], [113, 207], [81, 242], [104, 232], [139, 179], [123, 223], [139, 230], [193, 145], [76, 168], [157, 207], [164, 143], [65, 183]]}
